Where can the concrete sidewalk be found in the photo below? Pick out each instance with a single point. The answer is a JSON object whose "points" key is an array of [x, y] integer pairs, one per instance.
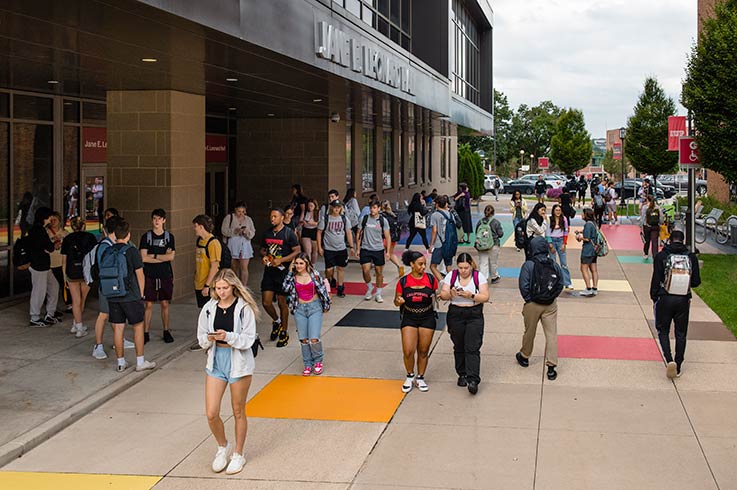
{"points": [[611, 420]]}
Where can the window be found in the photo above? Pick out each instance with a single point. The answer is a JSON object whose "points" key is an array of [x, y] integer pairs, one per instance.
{"points": [[467, 63], [367, 169], [348, 156], [388, 167], [392, 18]]}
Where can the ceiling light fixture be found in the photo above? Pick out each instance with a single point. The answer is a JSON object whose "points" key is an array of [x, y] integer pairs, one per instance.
{"points": [[149, 60], [53, 82], [271, 114], [232, 108], [231, 79], [316, 100]]}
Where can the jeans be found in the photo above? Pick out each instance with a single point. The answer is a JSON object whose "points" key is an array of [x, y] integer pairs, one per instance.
{"points": [[308, 317], [488, 260], [558, 247], [466, 329], [673, 309]]}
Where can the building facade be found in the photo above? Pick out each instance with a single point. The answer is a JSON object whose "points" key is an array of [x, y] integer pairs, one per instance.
{"points": [[191, 106]]}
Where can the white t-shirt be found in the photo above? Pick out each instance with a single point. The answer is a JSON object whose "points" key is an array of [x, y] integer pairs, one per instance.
{"points": [[470, 287]]}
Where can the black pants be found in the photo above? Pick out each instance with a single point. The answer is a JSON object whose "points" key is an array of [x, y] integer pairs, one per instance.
{"points": [[466, 329], [417, 231], [652, 237], [675, 309]]}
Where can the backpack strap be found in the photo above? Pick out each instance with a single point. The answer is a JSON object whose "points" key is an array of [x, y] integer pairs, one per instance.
{"points": [[403, 282], [475, 275], [453, 277], [432, 279], [207, 245]]}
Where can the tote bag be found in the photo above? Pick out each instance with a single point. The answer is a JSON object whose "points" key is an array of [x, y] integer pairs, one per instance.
{"points": [[420, 222]]}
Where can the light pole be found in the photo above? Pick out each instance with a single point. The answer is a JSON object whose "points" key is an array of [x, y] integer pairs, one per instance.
{"points": [[622, 134], [521, 161], [532, 160]]}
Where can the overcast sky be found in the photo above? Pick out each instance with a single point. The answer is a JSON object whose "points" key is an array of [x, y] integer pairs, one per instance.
{"points": [[591, 55]]}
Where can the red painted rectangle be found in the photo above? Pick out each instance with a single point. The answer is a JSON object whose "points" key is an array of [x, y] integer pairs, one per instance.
{"points": [[616, 348], [543, 162], [358, 289], [216, 148], [623, 237], [94, 145], [676, 129]]}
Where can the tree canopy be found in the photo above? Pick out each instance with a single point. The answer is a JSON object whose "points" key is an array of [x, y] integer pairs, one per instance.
{"points": [[709, 91], [470, 170], [646, 144], [570, 146]]}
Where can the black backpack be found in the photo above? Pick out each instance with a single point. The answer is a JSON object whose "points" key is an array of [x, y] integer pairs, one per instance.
{"points": [[226, 259], [22, 254], [521, 239], [393, 226], [547, 283]]}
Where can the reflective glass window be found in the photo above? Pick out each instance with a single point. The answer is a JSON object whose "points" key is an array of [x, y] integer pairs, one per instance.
{"points": [[94, 113], [71, 111], [35, 108]]}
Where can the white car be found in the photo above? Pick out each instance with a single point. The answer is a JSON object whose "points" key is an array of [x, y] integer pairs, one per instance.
{"points": [[552, 181], [489, 183]]}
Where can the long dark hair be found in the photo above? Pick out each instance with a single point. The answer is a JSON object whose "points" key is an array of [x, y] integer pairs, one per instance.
{"points": [[416, 199], [515, 193], [563, 219], [535, 215]]}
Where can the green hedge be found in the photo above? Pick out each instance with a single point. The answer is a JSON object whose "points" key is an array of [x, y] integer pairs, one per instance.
{"points": [[710, 203]]}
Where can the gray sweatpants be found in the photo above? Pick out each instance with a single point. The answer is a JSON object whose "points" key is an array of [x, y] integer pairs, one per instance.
{"points": [[44, 287]]}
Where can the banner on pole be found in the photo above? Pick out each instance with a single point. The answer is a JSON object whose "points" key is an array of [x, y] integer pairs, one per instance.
{"points": [[543, 162], [688, 153], [617, 151], [676, 130]]}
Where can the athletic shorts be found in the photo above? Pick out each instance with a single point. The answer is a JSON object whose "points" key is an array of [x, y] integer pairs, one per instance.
{"points": [[158, 289], [375, 257], [310, 233], [273, 280], [336, 258], [540, 196], [201, 300], [589, 260], [437, 257], [419, 320], [130, 312]]}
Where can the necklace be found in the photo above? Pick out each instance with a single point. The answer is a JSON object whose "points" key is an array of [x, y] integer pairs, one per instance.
{"points": [[226, 308]]}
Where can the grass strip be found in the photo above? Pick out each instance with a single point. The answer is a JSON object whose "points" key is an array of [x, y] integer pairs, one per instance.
{"points": [[718, 279]]}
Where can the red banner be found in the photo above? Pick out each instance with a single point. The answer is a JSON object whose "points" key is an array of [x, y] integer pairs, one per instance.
{"points": [[216, 148], [688, 153], [676, 129], [94, 145], [617, 151], [543, 162]]}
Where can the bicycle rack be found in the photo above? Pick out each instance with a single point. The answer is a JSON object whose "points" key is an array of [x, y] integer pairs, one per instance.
{"points": [[722, 232]]}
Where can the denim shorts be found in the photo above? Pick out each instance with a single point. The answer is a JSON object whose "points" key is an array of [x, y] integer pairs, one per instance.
{"points": [[437, 257], [221, 365]]}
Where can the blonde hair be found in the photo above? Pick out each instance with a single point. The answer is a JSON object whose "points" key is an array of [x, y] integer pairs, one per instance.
{"points": [[77, 223], [386, 207], [239, 290]]}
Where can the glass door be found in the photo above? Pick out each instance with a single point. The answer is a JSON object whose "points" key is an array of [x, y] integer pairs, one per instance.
{"points": [[216, 193]]}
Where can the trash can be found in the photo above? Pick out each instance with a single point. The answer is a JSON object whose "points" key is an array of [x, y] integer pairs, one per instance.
{"points": [[733, 234]]}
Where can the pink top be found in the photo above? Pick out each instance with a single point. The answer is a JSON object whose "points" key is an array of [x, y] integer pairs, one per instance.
{"points": [[305, 292]]}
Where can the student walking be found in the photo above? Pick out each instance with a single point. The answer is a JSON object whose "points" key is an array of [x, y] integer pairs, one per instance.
{"points": [[44, 285], [540, 283], [308, 236], [208, 254], [279, 246], [518, 207], [226, 330], [415, 297], [122, 283], [417, 221], [239, 230], [391, 218], [488, 244], [108, 240], [675, 272], [73, 250], [537, 225], [373, 242], [308, 296], [597, 199], [651, 218], [352, 209], [589, 268], [462, 206], [610, 197], [158, 249], [467, 290], [440, 220], [541, 189], [334, 241], [557, 235]]}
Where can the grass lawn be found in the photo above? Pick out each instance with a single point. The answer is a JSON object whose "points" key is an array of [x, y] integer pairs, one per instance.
{"points": [[718, 279]]}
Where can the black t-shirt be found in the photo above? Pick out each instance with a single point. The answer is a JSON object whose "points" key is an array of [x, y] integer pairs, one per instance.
{"points": [[157, 244], [134, 262], [75, 246], [279, 244], [541, 187]]}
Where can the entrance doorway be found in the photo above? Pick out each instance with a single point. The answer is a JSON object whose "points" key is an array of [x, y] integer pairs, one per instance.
{"points": [[216, 193]]}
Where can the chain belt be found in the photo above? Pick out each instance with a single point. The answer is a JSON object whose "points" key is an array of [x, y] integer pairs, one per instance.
{"points": [[418, 310]]}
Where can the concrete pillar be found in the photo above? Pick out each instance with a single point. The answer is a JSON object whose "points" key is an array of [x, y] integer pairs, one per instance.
{"points": [[156, 159]]}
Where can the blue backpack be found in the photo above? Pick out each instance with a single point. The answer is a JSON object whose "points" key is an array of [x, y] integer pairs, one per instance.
{"points": [[450, 242], [113, 274]]}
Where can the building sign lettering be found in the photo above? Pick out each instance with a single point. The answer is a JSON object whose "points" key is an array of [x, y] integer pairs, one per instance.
{"points": [[94, 145], [216, 148], [342, 49]]}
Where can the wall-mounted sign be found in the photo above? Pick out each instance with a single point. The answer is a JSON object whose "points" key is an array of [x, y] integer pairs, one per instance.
{"points": [[94, 145], [688, 153], [216, 148], [543, 162], [676, 129], [345, 50]]}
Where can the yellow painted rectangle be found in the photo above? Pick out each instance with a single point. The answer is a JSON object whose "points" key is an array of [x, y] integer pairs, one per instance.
{"points": [[612, 285], [18, 480], [327, 398]]}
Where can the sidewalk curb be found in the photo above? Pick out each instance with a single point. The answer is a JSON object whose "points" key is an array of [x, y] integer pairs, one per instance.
{"points": [[25, 442]]}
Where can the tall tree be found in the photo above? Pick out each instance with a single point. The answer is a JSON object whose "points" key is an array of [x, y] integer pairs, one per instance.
{"points": [[614, 167], [532, 128], [470, 170], [709, 90], [570, 146], [502, 128], [646, 145]]}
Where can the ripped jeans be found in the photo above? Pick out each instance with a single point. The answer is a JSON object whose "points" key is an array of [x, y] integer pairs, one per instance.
{"points": [[308, 317]]}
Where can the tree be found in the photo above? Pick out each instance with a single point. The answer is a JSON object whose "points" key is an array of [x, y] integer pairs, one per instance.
{"points": [[470, 170], [532, 128], [646, 145], [709, 90], [614, 167], [502, 125], [570, 146]]}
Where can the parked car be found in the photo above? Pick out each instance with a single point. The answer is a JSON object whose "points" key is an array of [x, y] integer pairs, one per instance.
{"points": [[668, 190], [553, 181], [680, 182], [632, 187], [522, 185], [489, 183]]}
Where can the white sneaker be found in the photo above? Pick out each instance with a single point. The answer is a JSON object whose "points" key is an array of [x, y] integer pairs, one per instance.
{"points": [[369, 293], [644, 257], [145, 366], [408, 382], [421, 385], [74, 328], [81, 331], [237, 462], [98, 352], [378, 298], [671, 370], [594, 292], [221, 458], [123, 367], [586, 292]]}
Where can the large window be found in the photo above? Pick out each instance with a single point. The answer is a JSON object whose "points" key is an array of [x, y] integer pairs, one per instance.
{"points": [[392, 18], [467, 63], [388, 166], [368, 145]]}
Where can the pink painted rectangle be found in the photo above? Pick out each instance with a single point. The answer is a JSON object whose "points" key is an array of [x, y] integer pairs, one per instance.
{"points": [[619, 348], [623, 237]]}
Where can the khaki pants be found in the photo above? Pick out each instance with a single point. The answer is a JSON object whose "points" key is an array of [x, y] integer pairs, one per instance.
{"points": [[548, 314]]}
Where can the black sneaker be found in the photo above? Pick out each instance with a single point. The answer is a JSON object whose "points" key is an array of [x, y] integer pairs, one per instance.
{"points": [[333, 283], [283, 339], [521, 360], [462, 381], [275, 327], [496, 280], [58, 315], [473, 387], [146, 337], [341, 291], [167, 337], [552, 374], [51, 320], [40, 323]]}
